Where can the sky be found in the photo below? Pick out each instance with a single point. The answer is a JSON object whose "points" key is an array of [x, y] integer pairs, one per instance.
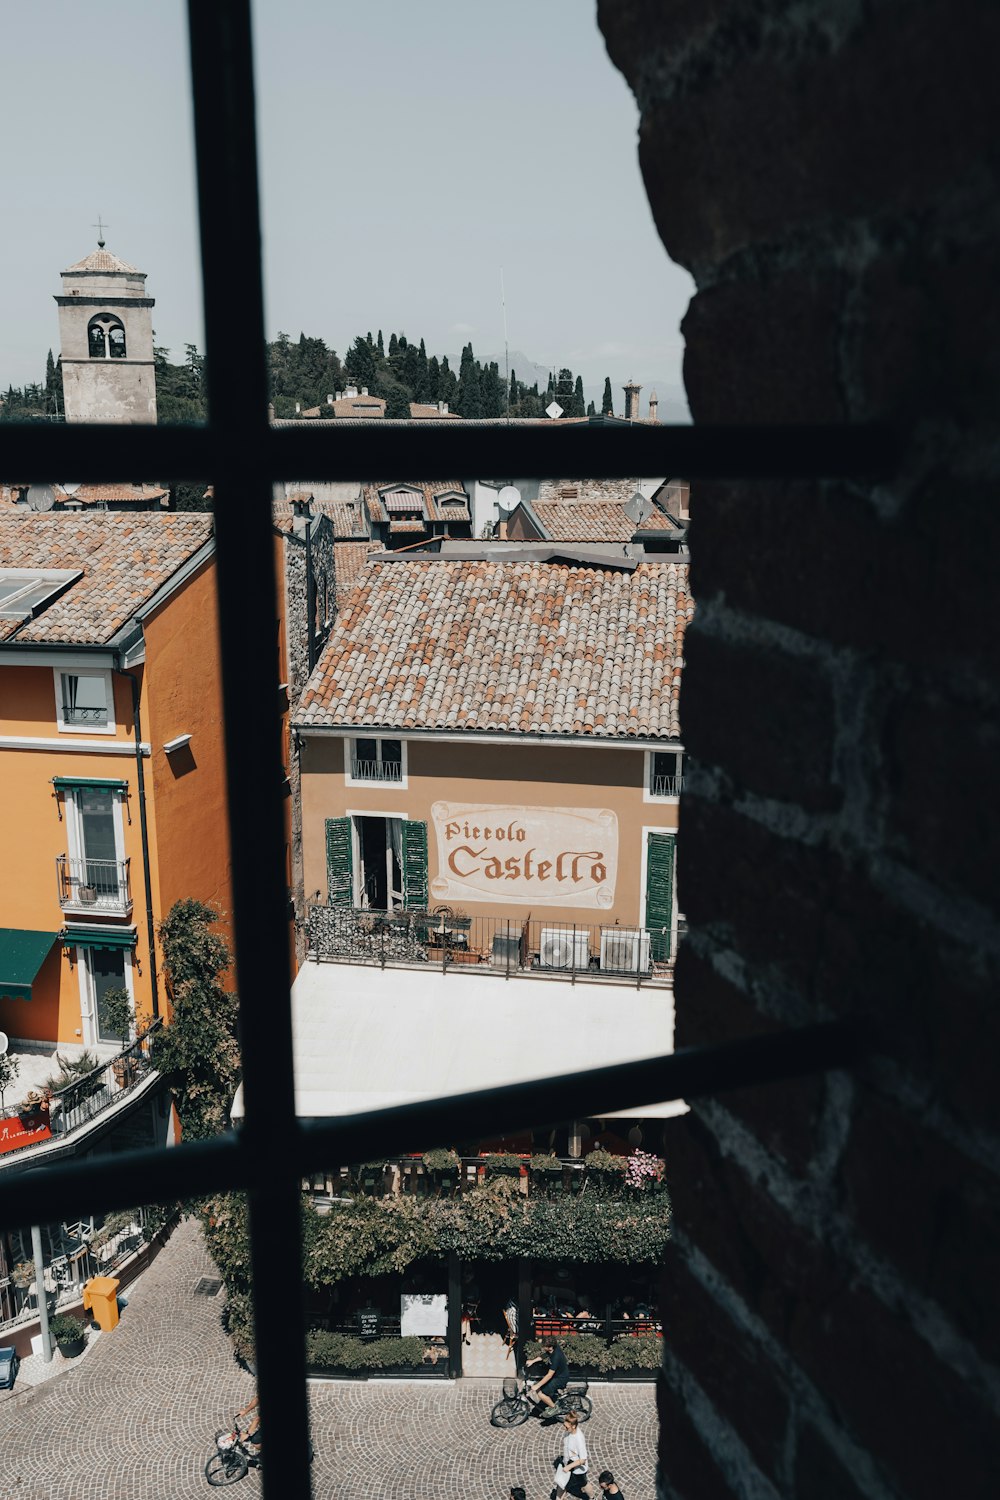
{"points": [[409, 154]]}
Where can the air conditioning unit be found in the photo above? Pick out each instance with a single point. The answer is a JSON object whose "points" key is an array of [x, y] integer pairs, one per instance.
{"points": [[625, 950], [562, 949]]}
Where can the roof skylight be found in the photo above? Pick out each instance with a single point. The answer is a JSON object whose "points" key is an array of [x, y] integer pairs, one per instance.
{"points": [[24, 592]]}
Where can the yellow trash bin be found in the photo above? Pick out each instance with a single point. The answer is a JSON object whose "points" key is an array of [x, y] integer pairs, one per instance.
{"points": [[100, 1296]]}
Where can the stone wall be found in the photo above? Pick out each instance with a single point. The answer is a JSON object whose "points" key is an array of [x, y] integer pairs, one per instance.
{"points": [[827, 172]]}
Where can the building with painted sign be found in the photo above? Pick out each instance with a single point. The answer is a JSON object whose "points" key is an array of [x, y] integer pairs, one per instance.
{"points": [[490, 765]]}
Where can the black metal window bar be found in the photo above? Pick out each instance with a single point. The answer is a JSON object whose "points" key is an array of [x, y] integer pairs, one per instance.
{"points": [[242, 454]]}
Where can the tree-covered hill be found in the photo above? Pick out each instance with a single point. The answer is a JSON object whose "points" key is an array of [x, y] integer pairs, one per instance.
{"points": [[305, 371]]}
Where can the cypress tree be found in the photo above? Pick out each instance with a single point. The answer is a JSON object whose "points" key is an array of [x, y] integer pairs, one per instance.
{"points": [[381, 346], [579, 408], [591, 409], [607, 403], [393, 346]]}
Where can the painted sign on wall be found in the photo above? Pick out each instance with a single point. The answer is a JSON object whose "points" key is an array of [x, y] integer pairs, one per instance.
{"points": [[526, 856], [16, 1132]]}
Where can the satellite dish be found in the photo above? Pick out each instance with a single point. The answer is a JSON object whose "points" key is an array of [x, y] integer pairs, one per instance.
{"points": [[4, 1043], [638, 509], [41, 497], [70, 489], [509, 496], [553, 410]]}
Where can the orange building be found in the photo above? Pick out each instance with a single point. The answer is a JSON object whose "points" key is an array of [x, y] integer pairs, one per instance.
{"points": [[112, 792]]}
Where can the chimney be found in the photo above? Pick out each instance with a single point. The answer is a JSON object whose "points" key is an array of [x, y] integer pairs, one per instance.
{"points": [[270, 411], [632, 401], [298, 408], [340, 395], [653, 404], [442, 408], [329, 400], [351, 390], [364, 390]]}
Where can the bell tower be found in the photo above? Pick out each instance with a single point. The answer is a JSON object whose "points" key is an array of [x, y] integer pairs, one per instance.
{"points": [[106, 341]]}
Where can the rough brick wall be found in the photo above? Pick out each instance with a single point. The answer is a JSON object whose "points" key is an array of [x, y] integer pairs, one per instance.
{"points": [[828, 174]]}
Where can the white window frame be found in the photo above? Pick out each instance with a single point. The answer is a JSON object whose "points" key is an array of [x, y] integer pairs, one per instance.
{"points": [[648, 795], [400, 786], [88, 997], [74, 826], [365, 812], [111, 727]]}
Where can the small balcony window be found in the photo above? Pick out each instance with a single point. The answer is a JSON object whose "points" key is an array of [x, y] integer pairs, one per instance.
{"points": [[665, 774], [376, 761], [84, 702]]}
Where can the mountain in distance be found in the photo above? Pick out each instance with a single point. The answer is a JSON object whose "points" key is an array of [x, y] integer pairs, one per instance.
{"points": [[673, 406]]}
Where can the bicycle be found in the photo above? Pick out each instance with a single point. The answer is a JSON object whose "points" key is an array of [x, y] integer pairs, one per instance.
{"points": [[233, 1457], [515, 1406]]}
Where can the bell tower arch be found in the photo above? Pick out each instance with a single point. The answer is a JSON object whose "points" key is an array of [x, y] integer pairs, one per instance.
{"points": [[106, 341]]}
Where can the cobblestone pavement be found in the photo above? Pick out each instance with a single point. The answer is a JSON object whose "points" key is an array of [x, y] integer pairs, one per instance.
{"points": [[135, 1419]]}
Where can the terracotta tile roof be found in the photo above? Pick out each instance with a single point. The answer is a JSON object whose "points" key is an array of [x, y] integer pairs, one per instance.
{"points": [[357, 406], [408, 524], [574, 491], [430, 492], [514, 647], [598, 521], [109, 494], [350, 560], [420, 410], [125, 557], [102, 260], [346, 515]]}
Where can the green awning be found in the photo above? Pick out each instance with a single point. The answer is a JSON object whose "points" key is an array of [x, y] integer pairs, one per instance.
{"points": [[91, 937], [22, 954], [101, 783]]}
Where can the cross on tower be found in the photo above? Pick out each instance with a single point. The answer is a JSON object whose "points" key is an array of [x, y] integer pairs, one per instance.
{"points": [[100, 226]]}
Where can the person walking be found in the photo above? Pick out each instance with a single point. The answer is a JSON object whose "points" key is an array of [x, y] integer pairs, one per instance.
{"points": [[607, 1482], [571, 1475]]}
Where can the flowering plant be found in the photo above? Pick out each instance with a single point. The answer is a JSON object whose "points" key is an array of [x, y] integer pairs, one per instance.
{"points": [[643, 1167]]}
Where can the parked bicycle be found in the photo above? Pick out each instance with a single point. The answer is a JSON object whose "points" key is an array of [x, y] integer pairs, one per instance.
{"points": [[516, 1405]]}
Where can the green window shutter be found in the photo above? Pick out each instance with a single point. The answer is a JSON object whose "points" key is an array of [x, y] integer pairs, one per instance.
{"points": [[660, 892], [414, 865], [339, 862]]}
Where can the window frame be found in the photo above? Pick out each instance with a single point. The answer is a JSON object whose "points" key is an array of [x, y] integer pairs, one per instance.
{"points": [[244, 455], [648, 763], [62, 725], [402, 785], [88, 997]]}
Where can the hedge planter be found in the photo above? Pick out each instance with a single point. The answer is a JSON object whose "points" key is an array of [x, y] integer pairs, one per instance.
{"points": [[342, 1356]]}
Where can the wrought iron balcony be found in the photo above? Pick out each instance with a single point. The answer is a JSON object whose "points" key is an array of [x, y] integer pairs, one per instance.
{"points": [[376, 770], [94, 885], [78, 715], [667, 786], [491, 945]]}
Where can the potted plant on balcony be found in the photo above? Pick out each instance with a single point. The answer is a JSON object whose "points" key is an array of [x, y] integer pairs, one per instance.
{"points": [[23, 1274], [69, 1334], [503, 1164], [546, 1169], [117, 1008], [371, 1176], [86, 894], [443, 1164], [10, 1067], [604, 1169]]}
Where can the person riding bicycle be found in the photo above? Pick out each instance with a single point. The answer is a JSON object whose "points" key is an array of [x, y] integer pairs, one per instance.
{"points": [[548, 1383], [251, 1432]]}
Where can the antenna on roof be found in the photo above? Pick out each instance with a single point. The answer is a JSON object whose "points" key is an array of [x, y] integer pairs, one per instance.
{"points": [[506, 350]]}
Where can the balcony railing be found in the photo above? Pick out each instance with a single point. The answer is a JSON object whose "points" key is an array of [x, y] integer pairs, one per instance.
{"points": [[79, 715], [491, 945], [75, 1105], [376, 770], [410, 1176], [667, 786], [94, 885]]}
